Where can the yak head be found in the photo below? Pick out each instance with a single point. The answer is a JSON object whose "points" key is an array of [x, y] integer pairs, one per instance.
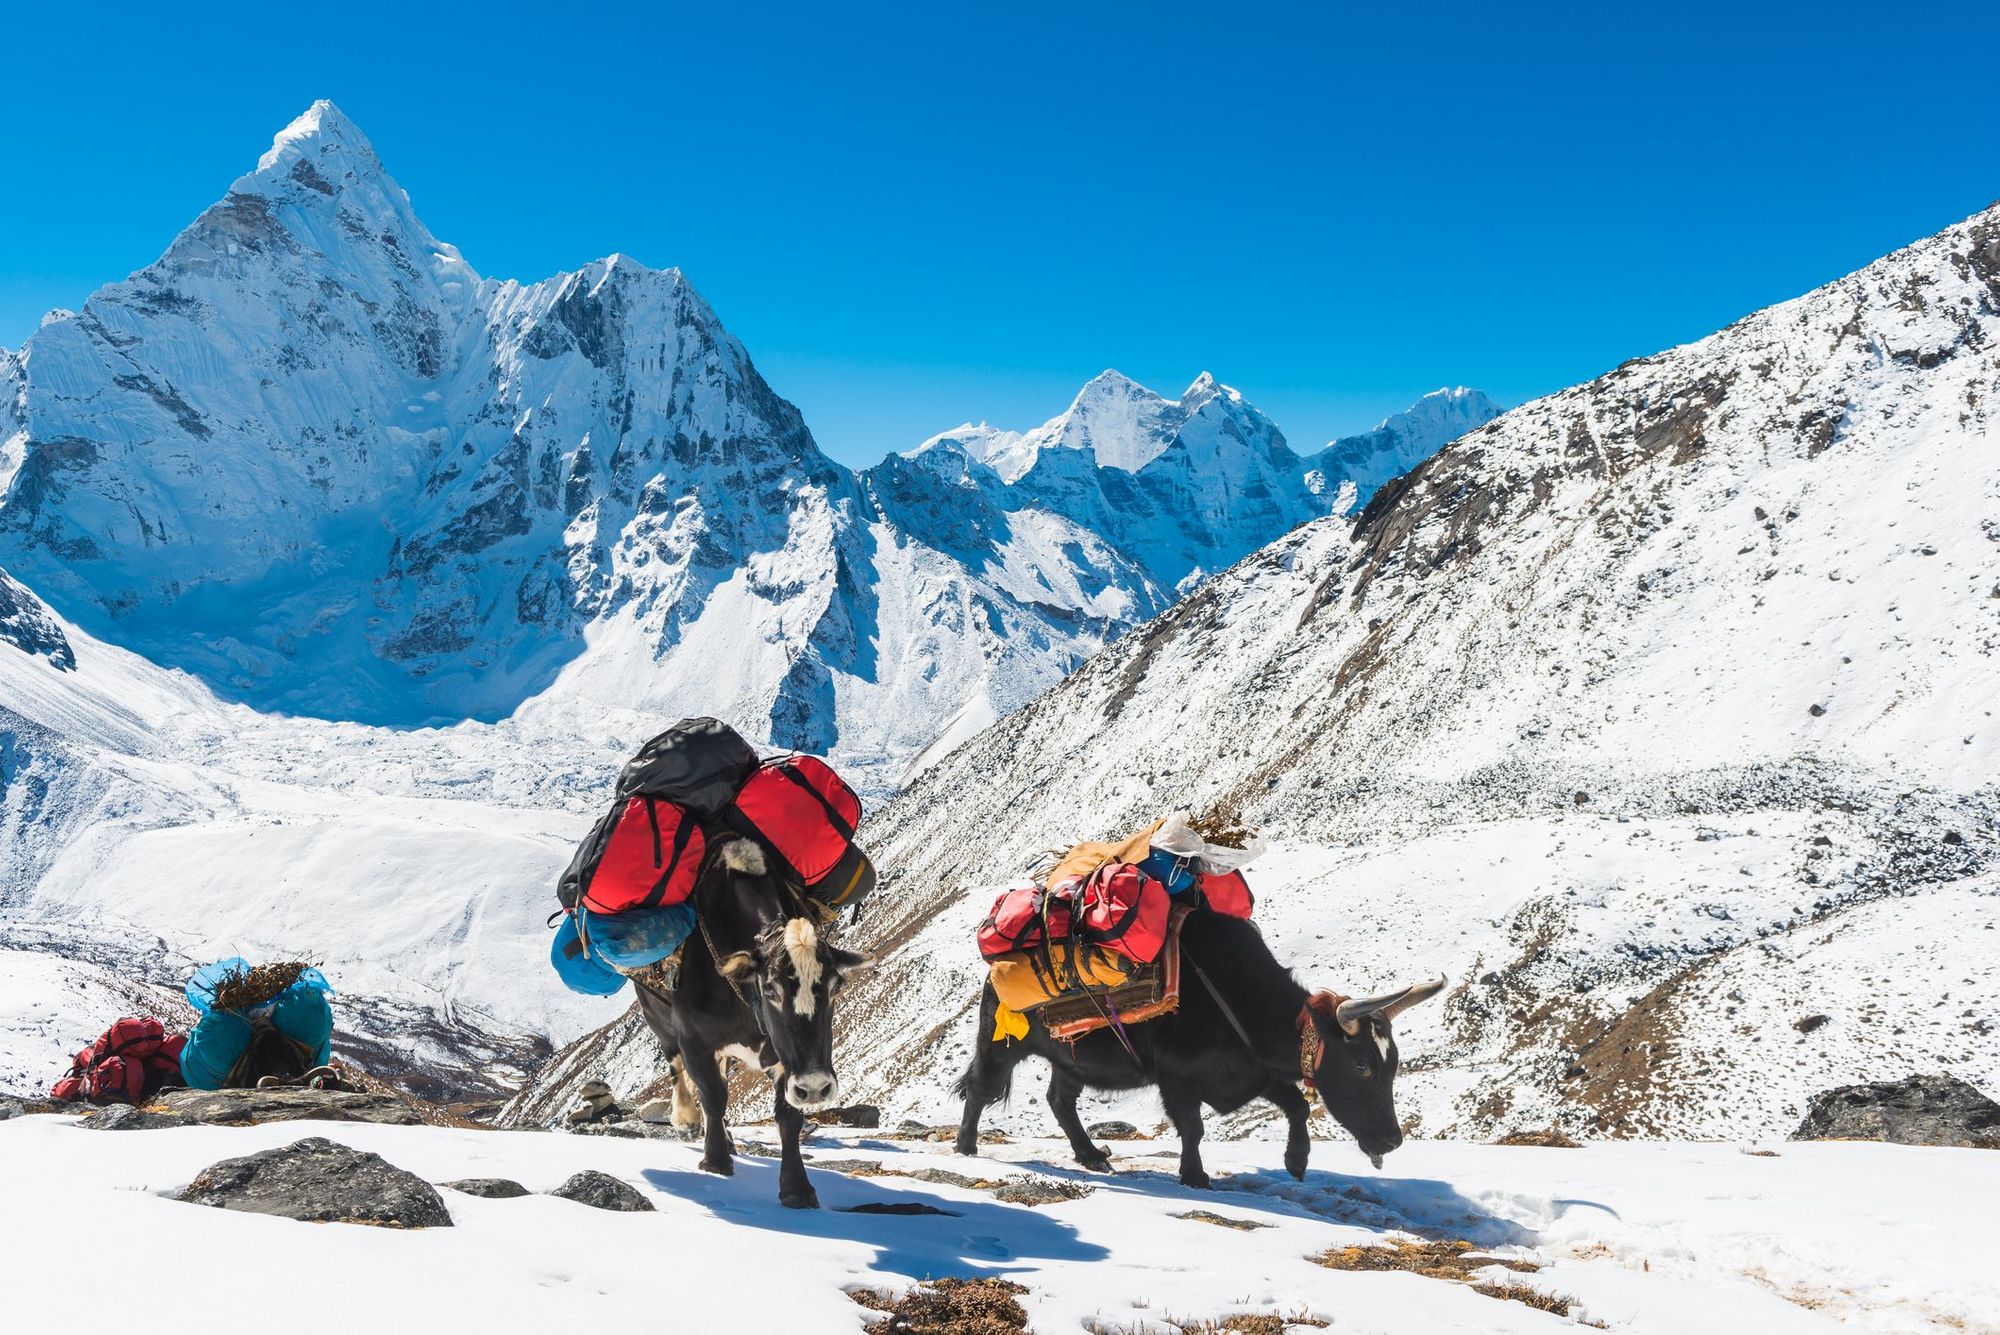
{"points": [[1355, 1069], [788, 973]]}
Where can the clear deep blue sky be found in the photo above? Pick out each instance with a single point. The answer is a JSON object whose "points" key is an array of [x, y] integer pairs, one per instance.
{"points": [[913, 217]]}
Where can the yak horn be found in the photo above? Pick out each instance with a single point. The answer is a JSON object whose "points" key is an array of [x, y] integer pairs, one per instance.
{"points": [[1354, 1010]]}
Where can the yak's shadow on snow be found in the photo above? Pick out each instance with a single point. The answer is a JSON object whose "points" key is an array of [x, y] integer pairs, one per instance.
{"points": [[1425, 1206], [934, 1236]]}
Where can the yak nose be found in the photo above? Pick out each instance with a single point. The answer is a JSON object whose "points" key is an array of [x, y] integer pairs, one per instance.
{"points": [[812, 1090]]}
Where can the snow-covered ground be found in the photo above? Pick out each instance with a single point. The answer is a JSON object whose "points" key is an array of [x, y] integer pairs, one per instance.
{"points": [[1644, 1237]]}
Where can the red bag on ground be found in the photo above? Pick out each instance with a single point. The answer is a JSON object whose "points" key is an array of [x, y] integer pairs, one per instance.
{"points": [[1015, 921], [800, 810], [1228, 893], [129, 1061], [1124, 910], [648, 856]]}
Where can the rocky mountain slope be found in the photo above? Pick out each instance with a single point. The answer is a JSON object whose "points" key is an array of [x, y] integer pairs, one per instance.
{"points": [[1657, 714]]}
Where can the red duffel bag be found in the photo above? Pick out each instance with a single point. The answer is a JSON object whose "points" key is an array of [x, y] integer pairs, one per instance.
{"points": [[1017, 920], [1228, 893], [800, 810], [645, 853], [132, 1059], [1124, 910]]}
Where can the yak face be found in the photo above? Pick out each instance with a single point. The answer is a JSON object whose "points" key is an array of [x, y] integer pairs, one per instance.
{"points": [[789, 980], [1356, 1071]]}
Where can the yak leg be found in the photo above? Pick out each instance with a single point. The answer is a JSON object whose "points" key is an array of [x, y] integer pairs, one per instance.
{"points": [[1296, 1110], [1184, 1111], [1063, 1092], [986, 1080], [795, 1189], [718, 1155]]}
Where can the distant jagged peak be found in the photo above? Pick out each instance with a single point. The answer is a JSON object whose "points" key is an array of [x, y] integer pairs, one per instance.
{"points": [[1401, 441]]}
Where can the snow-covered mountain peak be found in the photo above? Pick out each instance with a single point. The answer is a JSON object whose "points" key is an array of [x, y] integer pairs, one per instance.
{"points": [[319, 132]]}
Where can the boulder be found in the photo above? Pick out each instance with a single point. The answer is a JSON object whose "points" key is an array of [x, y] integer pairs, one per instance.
{"points": [[1114, 1131], [492, 1188], [866, 1116], [124, 1117], [315, 1179], [248, 1107], [1920, 1110], [603, 1191]]}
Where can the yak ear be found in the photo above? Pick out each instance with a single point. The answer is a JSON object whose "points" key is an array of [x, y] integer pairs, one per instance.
{"points": [[737, 967], [847, 963]]}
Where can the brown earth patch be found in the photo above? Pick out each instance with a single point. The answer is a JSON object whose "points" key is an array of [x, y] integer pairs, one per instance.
{"points": [[1547, 1138]]}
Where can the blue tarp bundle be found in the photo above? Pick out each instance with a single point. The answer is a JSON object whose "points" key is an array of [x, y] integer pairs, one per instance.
{"points": [[300, 1013]]}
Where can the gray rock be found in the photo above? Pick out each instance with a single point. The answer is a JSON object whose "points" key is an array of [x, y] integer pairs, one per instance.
{"points": [[1113, 1131], [863, 1115], [248, 1107], [492, 1188], [125, 1117], [12, 1108], [318, 1180], [603, 1191], [1921, 1110]]}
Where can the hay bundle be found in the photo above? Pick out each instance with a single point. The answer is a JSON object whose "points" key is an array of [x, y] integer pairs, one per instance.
{"points": [[1222, 827], [243, 989]]}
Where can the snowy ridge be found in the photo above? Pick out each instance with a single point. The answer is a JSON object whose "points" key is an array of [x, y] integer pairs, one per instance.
{"points": [[1188, 487]]}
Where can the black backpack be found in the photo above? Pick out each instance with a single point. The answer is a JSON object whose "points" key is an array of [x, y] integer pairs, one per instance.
{"points": [[697, 765]]}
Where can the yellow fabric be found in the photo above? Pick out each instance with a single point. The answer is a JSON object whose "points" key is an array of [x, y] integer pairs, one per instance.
{"points": [[1009, 1024], [1020, 986]]}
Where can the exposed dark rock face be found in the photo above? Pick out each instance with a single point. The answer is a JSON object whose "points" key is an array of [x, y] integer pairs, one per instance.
{"points": [[602, 1191], [27, 625], [864, 1115], [1113, 1130], [1920, 1110], [319, 1181], [492, 1188], [248, 1107]]}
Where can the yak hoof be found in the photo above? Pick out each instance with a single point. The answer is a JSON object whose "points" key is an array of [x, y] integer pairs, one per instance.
{"points": [[720, 1165], [1197, 1179], [1295, 1164], [800, 1198], [1097, 1161], [968, 1146]]}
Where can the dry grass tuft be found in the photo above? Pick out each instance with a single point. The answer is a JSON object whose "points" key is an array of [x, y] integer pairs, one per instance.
{"points": [[1556, 1304], [1449, 1259], [1454, 1260], [948, 1307], [1265, 1323], [1547, 1138], [241, 989]]}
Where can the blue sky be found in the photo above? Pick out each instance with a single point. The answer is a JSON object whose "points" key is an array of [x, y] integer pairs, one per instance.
{"points": [[915, 216]]}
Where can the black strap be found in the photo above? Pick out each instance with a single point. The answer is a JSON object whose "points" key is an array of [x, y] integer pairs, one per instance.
{"points": [[1227, 1013], [682, 833]]}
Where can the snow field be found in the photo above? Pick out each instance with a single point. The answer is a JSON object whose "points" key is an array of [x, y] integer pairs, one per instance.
{"points": [[1646, 1238]]}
